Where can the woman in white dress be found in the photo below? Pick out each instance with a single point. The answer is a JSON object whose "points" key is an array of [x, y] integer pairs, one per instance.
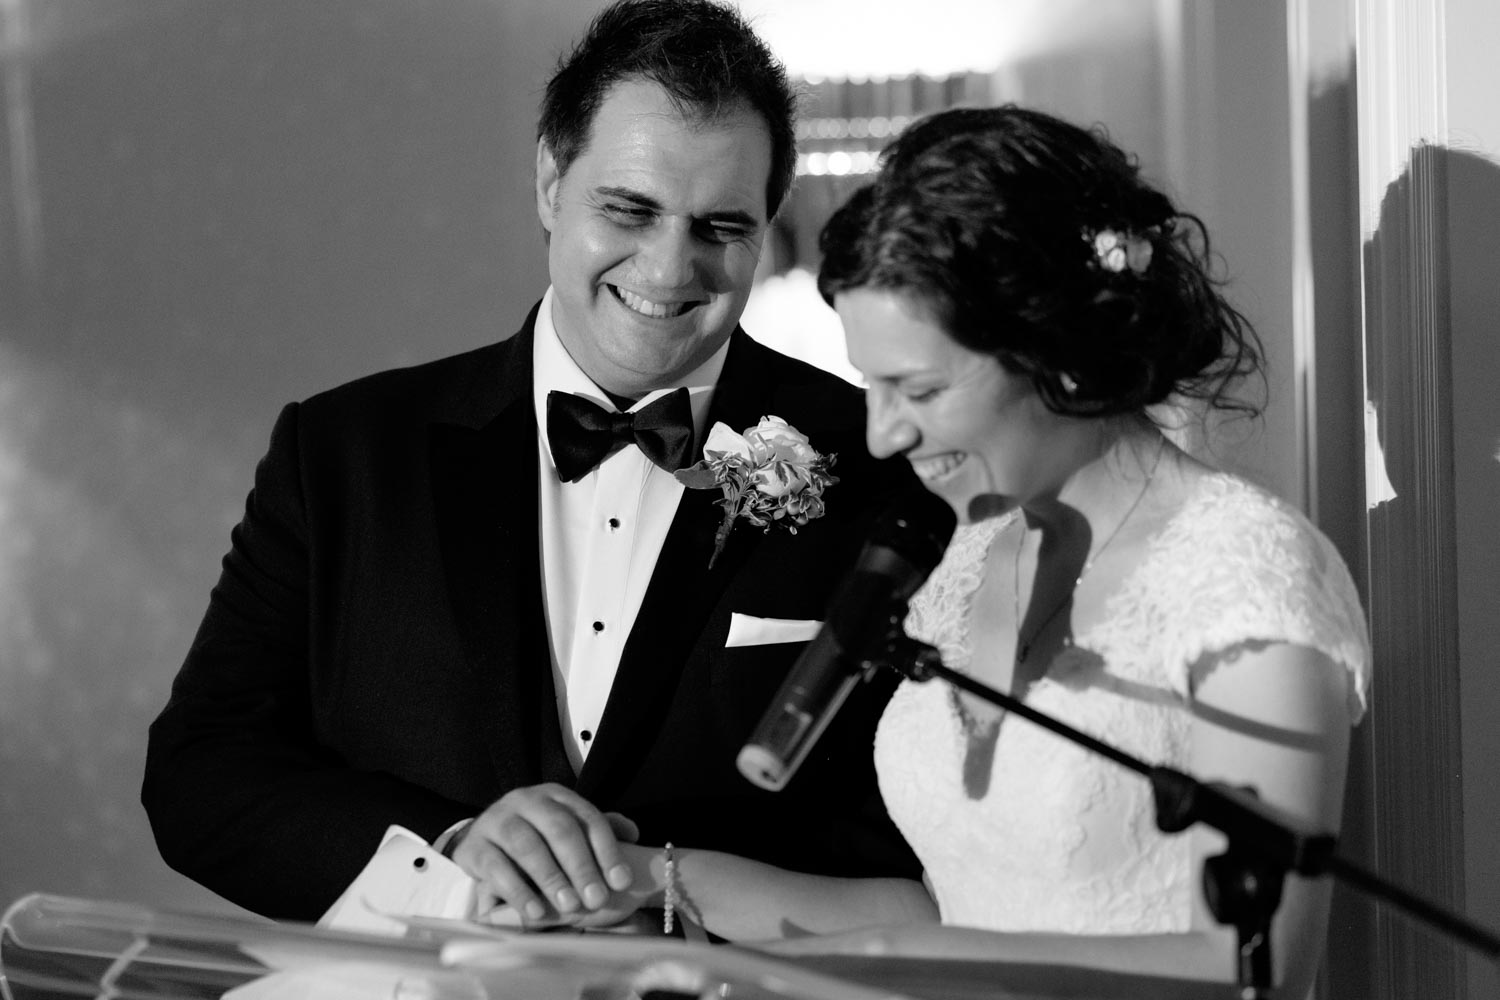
{"points": [[1019, 300]]}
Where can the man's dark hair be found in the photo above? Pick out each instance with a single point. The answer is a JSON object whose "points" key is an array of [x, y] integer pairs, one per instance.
{"points": [[702, 53]]}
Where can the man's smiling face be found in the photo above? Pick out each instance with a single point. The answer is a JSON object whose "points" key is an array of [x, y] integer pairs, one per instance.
{"points": [[654, 234]]}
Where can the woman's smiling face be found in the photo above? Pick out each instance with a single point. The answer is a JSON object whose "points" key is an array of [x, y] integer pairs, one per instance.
{"points": [[976, 434]]}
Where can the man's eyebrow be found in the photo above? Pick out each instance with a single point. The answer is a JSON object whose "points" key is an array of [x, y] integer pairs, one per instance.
{"points": [[732, 216], [627, 194]]}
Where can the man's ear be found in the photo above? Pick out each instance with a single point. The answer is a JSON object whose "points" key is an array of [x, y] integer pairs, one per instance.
{"points": [[546, 185]]}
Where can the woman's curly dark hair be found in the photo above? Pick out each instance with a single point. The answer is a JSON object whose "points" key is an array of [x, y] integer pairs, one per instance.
{"points": [[987, 216]]}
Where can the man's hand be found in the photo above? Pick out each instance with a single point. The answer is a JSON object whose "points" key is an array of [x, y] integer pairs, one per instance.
{"points": [[547, 851]]}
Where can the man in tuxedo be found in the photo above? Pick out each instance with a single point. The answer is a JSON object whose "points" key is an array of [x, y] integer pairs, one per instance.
{"points": [[450, 607]]}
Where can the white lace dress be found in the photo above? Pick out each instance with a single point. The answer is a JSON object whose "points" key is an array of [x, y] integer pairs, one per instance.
{"points": [[1061, 839]]}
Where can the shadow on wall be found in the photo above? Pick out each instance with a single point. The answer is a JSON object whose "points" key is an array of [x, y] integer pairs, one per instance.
{"points": [[1474, 288], [1433, 362]]}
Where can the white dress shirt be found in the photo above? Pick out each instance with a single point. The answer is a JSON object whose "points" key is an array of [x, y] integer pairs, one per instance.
{"points": [[600, 537]]}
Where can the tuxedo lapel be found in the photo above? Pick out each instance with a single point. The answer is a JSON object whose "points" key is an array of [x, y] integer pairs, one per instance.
{"points": [[683, 590], [484, 481]]}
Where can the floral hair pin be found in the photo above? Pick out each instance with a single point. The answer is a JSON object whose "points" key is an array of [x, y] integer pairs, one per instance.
{"points": [[1115, 250], [770, 475]]}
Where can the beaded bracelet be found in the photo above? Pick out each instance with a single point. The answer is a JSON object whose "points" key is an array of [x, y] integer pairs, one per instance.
{"points": [[671, 896]]}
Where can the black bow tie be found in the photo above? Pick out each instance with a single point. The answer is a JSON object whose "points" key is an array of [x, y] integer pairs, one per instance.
{"points": [[582, 433]]}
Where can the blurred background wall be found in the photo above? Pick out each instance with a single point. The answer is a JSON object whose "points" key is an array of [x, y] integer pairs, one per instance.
{"points": [[211, 207]]}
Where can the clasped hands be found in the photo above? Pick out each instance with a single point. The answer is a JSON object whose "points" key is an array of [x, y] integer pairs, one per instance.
{"points": [[556, 860]]}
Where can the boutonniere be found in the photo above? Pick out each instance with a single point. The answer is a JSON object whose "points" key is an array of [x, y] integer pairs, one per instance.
{"points": [[770, 475]]}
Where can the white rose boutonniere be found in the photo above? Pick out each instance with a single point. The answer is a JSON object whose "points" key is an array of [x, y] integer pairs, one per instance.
{"points": [[770, 475]]}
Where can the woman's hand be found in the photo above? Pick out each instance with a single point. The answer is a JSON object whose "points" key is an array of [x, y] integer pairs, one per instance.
{"points": [[618, 908]]}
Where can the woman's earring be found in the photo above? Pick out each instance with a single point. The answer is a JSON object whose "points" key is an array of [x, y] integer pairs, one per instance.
{"points": [[1068, 382]]}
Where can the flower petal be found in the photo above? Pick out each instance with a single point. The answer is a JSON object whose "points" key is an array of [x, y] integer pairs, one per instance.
{"points": [[722, 439]]}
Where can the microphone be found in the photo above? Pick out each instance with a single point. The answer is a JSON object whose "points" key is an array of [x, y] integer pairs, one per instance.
{"points": [[903, 548]]}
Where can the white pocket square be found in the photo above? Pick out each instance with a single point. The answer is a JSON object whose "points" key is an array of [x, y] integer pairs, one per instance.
{"points": [[747, 630]]}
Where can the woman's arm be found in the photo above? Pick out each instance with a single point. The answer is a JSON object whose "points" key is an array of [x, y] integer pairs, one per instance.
{"points": [[1276, 717], [744, 900]]}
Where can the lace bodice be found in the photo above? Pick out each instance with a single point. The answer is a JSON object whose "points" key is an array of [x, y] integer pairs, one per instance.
{"points": [[1061, 839]]}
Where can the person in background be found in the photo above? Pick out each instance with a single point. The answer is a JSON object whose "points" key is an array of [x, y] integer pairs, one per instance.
{"points": [[471, 598], [1021, 302]]}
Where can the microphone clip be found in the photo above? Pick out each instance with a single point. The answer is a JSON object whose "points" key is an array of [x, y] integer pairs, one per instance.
{"points": [[909, 657]]}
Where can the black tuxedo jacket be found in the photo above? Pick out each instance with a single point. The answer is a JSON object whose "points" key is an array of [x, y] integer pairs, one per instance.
{"points": [[375, 650]]}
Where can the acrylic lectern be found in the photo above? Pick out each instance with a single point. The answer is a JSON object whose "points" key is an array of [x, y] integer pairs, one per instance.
{"points": [[59, 948]]}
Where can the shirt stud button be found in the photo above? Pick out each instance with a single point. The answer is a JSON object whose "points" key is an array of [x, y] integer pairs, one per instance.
{"points": [[598, 626]]}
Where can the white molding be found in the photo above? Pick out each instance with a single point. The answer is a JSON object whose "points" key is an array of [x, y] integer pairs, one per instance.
{"points": [[1302, 72], [1403, 102]]}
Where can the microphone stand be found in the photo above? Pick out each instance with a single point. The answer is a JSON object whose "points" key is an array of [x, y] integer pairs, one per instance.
{"points": [[1243, 885]]}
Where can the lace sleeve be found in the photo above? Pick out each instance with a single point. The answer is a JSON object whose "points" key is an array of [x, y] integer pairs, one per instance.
{"points": [[1241, 566]]}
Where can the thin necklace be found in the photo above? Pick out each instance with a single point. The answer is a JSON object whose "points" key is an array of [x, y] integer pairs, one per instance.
{"points": [[1023, 644]]}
